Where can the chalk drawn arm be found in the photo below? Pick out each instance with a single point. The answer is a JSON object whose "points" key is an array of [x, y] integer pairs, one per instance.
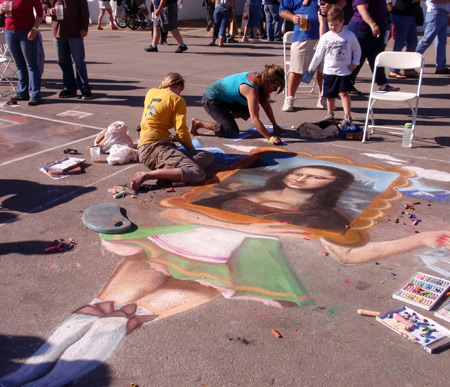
{"points": [[385, 249]]}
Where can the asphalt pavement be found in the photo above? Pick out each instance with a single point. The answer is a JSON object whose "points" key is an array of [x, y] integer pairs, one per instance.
{"points": [[224, 342]]}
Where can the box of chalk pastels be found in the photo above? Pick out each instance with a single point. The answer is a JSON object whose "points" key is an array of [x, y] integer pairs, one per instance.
{"points": [[422, 290], [417, 328], [444, 310]]}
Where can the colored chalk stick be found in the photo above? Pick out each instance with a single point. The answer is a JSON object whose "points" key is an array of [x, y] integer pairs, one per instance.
{"points": [[369, 313], [405, 322]]}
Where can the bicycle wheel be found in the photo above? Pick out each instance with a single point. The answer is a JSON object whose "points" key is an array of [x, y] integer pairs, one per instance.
{"points": [[143, 22], [121, 22], [132, 22]]}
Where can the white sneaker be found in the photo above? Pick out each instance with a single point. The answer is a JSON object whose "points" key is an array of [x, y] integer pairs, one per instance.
{"points": [[244, 39], [329, 116], [347, 121], [322, 103], [288, 105]]}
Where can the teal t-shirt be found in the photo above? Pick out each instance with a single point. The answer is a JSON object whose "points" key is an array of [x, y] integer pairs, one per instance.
{"points": [[227, 89]]}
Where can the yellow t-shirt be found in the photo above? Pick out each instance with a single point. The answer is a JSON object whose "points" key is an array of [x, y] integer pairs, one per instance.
{"points": [[164, 110]]}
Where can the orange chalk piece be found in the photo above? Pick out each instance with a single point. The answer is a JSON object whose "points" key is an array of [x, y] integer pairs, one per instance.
{"points": [[324, 252], [276, 333], [370, 313], [408, 324]]}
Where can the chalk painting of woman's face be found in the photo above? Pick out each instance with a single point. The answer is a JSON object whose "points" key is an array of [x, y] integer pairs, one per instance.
{"points": [[308, 178]]}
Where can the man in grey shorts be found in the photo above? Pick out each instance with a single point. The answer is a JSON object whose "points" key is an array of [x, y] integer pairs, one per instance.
{"points": [[166, 13]]}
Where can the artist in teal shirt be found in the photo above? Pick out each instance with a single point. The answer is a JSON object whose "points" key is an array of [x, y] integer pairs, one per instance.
{"points": [[239, 96]]}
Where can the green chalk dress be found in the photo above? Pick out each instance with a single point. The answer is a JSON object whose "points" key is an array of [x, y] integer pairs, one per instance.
{"points": [[238, 264]]}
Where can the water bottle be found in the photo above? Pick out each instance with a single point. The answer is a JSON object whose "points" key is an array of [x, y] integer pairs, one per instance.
{"points": [[407, 135]]}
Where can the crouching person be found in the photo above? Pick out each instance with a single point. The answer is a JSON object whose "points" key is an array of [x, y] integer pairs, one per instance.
{"points": [[164, 109]]}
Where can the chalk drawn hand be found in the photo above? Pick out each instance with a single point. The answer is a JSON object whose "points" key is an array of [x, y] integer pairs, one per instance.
{"points": [[436, 238]]}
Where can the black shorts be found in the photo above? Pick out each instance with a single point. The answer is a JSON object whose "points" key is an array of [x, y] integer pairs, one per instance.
{"points": [[335, 84]]}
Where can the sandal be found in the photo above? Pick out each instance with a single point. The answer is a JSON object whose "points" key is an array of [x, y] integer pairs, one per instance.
{"points": [[395, 74], [71, 151]]}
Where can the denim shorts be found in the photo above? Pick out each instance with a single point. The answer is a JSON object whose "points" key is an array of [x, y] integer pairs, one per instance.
{"points": [[104, 4]]}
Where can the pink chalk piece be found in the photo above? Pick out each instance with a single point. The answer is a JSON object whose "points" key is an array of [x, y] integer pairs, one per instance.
{"points": [[406, 323], [54, 266]]}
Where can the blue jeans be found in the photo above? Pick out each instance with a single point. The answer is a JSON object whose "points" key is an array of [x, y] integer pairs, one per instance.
{"points": [[370, 48], [68, 49], [221, 18], [436, 28], [405, 33], [25, 55], [273, 21]]}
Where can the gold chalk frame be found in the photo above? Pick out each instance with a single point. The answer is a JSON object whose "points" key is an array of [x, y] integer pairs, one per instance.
{"points": [[355, 235]]}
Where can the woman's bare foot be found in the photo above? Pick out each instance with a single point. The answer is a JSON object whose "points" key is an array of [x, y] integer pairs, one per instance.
{"points": [[195, 126], [137, 180]]}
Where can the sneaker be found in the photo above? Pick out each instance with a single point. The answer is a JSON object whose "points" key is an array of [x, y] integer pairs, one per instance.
{"points": [[256, 40], [322, 103], [151, 48], [15, 99], [244, 39], [387, 87], [329, 116], [67, 94], [288, 105], [231, 39], [86, 95], [347, 121], [181, 49], [445, 71], [163, 42], [34, 102]]}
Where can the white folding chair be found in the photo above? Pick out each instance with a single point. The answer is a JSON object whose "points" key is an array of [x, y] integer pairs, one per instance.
{"points": [[8, 71], [287, 40], [396, 60]]}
